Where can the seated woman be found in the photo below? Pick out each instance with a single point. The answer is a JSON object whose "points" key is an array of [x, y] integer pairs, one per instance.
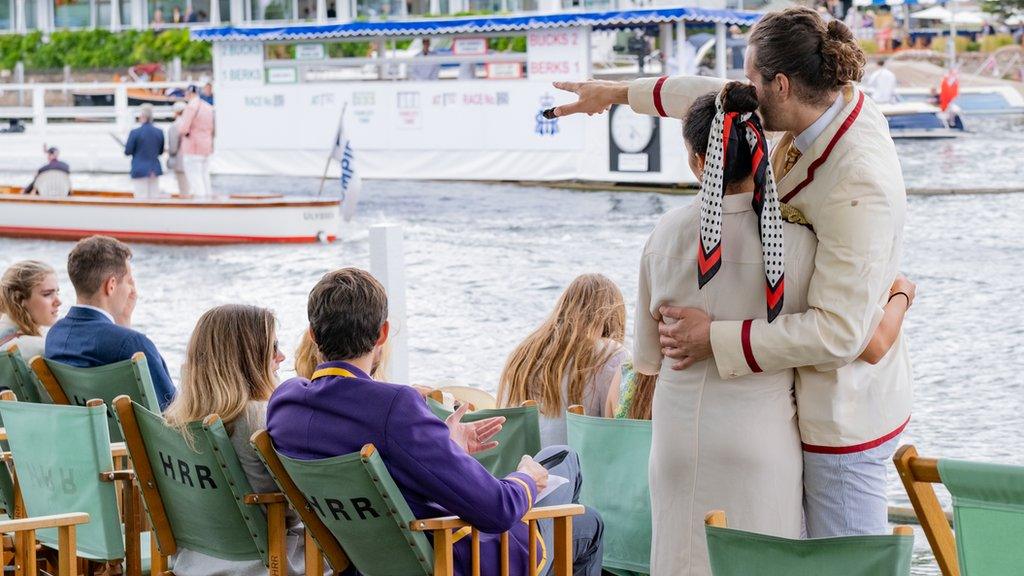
{"points": [[307, 356], [29, 304], [726, 444], [231, 370], [573, 358]]}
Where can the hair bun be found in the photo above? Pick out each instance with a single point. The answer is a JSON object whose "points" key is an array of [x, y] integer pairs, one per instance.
{"points": [[842, 60], [739, 97]]}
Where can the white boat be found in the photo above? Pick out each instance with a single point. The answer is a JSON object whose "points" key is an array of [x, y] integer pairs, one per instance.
{"points": [[220, 220], [974, 100], [920, 120]]}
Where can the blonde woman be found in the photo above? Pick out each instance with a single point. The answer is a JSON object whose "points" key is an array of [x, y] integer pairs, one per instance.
{"points": [[231, 370], [307, 356], [29, 304], [573, 358]]}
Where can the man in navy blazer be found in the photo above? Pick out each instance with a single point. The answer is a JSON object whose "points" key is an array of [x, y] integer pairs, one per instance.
{"points": [[96, 330], [145, 145]]}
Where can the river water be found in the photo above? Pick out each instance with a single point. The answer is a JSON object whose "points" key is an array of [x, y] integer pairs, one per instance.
{"points": [[485, 263]]}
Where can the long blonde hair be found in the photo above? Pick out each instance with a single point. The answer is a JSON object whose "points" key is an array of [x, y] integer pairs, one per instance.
{"points": [[572, 340], [228, 364], [16, 289], [307, 356]]}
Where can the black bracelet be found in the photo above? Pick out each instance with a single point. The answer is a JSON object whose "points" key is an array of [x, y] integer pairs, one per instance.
{"points": [[895, 294]]}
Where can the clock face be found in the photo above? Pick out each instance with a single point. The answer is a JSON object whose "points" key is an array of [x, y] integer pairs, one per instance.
{"points": [[631, 131]]}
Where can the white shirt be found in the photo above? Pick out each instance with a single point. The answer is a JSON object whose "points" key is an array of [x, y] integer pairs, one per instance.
{"points": [[100, 310], [804, 140], [882, 83]]}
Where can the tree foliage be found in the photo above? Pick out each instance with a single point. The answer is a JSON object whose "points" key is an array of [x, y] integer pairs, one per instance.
{"points": [[1004, 8], [94, 49]]}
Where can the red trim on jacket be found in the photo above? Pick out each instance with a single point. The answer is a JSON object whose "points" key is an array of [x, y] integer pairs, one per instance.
{"points": [[828, 149], [857, 447], [657, 96], [748, 352]]}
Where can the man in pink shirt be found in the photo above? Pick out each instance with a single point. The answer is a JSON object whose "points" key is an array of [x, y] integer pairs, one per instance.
{"points": [[196, 129]]}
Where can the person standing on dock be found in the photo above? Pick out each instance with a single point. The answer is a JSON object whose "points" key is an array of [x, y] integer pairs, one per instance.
{"points": [[175, 161], [840, 174], [882, 84], [197, 131], [145, 145]]}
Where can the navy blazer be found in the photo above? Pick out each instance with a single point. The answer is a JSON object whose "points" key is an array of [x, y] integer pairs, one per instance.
{"points": [[145, 145], [86, 338]]}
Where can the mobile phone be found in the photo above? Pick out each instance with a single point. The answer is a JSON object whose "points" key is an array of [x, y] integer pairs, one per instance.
{"points": [[549, 113], [554, 460]]}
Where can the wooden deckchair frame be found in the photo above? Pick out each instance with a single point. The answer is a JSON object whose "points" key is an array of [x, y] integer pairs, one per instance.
{"points": [[163, 543], [442, 528], [918, 476], [52, 385], [24, 530]]}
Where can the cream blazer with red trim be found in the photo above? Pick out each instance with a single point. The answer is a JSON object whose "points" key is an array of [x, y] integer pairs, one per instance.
{"points": [[849, 186]]}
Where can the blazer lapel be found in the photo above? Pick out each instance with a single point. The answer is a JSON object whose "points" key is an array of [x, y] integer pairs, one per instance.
{"points": [[802, 173]]}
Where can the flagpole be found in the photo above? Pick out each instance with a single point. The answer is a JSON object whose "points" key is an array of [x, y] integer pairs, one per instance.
{"points": [[327, 165]]}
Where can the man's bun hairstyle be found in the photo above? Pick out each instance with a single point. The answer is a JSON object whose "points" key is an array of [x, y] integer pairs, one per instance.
{"points": [[818, 57]]}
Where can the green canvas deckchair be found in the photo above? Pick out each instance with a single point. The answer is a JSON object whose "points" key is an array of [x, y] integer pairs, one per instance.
{"points": [[519, 436], [73, 385], [615, 453], [198, 497], [355, 512], [740, 553], [74, 473], [988, 512], [15, 375]]}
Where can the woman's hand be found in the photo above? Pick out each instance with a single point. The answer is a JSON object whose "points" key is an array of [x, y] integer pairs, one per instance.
{"points": [[595, 96], [902, 284], [473, 436]]}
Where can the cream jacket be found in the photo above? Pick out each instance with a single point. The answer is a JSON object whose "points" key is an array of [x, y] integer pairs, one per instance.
{"points": [[849, 187]]}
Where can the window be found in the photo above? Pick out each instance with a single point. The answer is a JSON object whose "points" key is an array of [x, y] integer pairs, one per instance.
{"points": [[6, 14], [31, 14], [272, 9], [379, 9], [72, 14]]}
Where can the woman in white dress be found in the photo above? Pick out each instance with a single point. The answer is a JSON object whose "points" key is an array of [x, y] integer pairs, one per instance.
{"points": [[29, 304], [717, 444], [728, 444]]}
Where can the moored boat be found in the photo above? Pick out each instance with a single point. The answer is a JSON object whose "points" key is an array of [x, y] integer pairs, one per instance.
{"points": [[236, 219], [920, 120]]}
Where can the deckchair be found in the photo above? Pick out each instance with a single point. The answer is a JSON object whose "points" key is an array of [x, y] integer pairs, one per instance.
{"points": [[519, 436], [25, 530], [15, 375], [475, 396], [739, 553], [198, 497], [75, 473], [988, 512], [615, 453], [73, 385], [362, 517]]}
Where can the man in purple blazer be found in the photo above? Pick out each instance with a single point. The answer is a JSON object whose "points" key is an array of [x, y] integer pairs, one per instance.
{"points": [[342, 408]]}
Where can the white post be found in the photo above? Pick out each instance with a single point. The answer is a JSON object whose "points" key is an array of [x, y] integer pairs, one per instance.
{"points": [[214, 12], [387, 264], [721, 50], [665, 43], [237, 15], [435, 7], [138, 14], [43, 20], [39, 108], [345, 10], [121, 112], [952, 35], [683, 50], [19, 17], [321, 11], [115, 15]]}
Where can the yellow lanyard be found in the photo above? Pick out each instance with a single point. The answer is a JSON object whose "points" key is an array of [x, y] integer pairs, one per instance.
{"points": [[332, 372]]}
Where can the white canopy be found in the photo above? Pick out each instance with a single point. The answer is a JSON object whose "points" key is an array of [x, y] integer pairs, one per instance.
{"points": [[968, 17]]}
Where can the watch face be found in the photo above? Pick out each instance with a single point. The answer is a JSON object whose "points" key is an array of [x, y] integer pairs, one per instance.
{"points": [[631, 131]]}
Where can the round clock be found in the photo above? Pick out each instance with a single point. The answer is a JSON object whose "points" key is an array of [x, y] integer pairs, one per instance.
{"points": [[631, 131]]}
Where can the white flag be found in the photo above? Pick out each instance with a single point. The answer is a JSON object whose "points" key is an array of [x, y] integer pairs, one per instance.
{"points": [[351, 183]]}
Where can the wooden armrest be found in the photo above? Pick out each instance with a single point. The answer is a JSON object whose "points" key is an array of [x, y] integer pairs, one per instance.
{"points": [[266, 498], [440, 523], [925, 470], [451, 522], [40, 522], [3, 434], [554, 512], [118, 449], [123, 475]]}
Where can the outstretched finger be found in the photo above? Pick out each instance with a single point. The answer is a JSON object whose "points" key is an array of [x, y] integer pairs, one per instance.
{"points": [[569, 109], [573, 87], [456, 416]]}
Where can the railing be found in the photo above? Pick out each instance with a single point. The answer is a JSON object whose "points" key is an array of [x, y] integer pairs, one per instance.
{"points": [[123, 114]]}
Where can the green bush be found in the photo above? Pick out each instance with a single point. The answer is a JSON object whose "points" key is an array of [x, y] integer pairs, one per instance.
{"points": [[92, 49], [993, 43], [868, 46]]}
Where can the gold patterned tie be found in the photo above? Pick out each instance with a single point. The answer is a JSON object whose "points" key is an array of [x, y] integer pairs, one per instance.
{"points": [[792, 157]]}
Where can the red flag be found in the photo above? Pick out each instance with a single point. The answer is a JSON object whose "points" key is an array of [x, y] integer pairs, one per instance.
{"points": [[949, 89]]}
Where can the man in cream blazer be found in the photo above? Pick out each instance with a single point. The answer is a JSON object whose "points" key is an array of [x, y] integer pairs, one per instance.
{"points": [[837, 167]]}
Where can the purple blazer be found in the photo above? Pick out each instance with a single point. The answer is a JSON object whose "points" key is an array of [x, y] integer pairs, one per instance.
{"points": [[335, 415]]}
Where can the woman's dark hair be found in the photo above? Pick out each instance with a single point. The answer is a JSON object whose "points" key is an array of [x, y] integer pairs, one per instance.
{"points": [[818, 57], [737, 97]]}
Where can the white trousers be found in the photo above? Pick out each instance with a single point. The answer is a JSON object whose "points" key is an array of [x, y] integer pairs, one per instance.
{"points": [[197, 170], [148, 187], [182, 181]]}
